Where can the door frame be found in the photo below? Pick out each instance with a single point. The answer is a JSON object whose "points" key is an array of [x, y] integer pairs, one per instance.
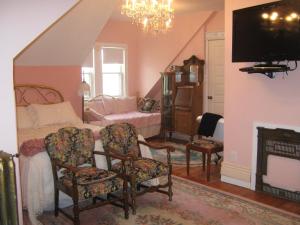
{"points": [[209, 36]]}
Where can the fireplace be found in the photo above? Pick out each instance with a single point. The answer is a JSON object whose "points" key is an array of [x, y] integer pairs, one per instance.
{"points": [[280, 143]]}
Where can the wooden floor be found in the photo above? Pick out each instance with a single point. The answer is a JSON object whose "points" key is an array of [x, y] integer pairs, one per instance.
{"points": [[197, 175]]}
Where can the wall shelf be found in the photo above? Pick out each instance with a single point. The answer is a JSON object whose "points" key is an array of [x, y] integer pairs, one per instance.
{"points": [[266, 69]]}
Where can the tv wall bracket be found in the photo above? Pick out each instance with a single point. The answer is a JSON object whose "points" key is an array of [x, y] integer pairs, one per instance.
{"points": [[266, 69]]}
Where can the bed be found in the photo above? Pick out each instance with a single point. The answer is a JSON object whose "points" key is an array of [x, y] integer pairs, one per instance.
{"points": [[40, 111], [104, 110]]}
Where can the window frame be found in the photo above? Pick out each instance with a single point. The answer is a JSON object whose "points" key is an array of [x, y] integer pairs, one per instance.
{"points": [[98, 78]]}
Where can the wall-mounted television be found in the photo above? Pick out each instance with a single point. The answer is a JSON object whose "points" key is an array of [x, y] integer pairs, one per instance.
{"points": [[267, 33]]}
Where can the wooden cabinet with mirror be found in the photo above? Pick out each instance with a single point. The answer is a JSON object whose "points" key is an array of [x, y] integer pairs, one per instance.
{"points": [[182, 97]]}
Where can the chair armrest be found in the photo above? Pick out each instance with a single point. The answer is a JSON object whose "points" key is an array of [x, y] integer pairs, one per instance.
{"points": [[70, 168], [114, 155], [157, 147], [168, 148], [123, 174]]}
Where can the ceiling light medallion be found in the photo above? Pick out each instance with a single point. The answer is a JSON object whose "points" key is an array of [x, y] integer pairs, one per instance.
{"points": [[153, 16]]}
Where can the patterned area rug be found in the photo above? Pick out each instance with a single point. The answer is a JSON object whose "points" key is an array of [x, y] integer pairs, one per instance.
{"points": [[193, 204], [178, 157]]}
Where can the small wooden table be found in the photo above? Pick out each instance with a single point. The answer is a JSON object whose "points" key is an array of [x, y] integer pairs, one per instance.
{"points": [[205, 147]]}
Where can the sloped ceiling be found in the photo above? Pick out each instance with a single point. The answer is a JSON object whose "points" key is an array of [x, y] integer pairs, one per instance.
{"points": [[70, 40]]}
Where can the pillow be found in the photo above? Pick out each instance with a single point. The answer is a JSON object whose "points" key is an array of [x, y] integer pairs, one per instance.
{"points": [[131, 104], [108, 103], [53, 114], [92, 115], [97, 105], [24, 119], [148, 105], [123, 105]]}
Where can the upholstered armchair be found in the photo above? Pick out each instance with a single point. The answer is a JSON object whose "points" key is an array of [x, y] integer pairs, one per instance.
{"points": [[71, 151], [121, 141]]}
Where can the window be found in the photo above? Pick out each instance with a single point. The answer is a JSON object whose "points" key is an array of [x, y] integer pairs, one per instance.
{"points": [[113, 70], [105, 70]]}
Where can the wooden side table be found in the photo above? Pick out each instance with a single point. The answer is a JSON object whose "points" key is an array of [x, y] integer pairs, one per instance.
{"points": [[204, 146]]}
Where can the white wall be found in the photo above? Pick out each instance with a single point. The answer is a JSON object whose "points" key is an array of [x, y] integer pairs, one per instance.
{"points": [[20, 23]]}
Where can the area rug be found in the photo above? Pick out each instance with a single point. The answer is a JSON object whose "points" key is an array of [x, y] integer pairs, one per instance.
{"points": [[193, 204], [178, 157]]}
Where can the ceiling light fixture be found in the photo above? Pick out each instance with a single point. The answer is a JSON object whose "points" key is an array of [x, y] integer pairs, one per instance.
{"points": [[152, 15]]}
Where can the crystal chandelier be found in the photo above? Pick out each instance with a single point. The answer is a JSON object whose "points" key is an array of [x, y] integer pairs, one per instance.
{"points": [[152, 15]]}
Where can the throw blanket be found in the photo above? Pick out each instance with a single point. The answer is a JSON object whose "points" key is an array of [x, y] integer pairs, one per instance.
{"points": [[34, 146], [208, 124]]}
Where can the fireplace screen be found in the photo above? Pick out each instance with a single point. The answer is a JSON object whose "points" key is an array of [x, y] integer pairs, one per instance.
{"points": [[281, 143]]}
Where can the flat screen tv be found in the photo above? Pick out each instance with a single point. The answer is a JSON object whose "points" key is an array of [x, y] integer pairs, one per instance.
{"points": [[267, 33]]}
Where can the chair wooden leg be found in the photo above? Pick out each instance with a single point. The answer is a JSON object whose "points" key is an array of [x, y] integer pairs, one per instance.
{"points": [[170, 192], [133, 194], [187, 160], [56, 201], [218, 158], [76, 211], [125, 199], [208, 166], [203, 161]]}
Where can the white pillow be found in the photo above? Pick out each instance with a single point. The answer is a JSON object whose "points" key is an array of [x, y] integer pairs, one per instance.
{"points": [[23, 118], [53, 114], [131, 103], [123, 105], [108, 104], [92, 115], [97, 105]]}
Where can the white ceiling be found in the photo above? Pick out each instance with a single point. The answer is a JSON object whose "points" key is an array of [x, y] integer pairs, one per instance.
{"points": [[180, 6]]}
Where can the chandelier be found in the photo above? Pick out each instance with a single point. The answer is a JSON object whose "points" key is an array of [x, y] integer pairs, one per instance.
{"points": [[152, 15]]}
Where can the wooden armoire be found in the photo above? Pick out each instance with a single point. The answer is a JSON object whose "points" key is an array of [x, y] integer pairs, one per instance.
{"points": [[182, 97]]}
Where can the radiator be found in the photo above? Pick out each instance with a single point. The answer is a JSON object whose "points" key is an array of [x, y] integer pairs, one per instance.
{"points": [[8, 197]]}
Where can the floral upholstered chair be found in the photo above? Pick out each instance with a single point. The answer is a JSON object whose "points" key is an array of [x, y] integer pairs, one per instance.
{"points": [[121, 141], [71, 151]]}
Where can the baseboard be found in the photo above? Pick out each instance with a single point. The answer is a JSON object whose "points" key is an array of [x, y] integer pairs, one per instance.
{"points": [[235, 174], [236, 182]]}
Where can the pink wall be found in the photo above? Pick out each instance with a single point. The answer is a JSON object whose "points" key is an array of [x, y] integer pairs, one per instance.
{"points": [[149, 55], [254, 98], [197, 44], [122, 32], [157, 52], [65, 79]]}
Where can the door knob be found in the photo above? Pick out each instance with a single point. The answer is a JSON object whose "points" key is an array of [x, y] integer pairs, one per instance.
{"points": [[209, 97]]}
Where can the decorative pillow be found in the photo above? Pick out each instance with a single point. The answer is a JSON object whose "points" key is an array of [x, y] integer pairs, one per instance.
{"points": [[148, 105], [126, 104], [131, 103], [24, 119], [92, 115], [53, 114], [97, 105], [108, 104]]}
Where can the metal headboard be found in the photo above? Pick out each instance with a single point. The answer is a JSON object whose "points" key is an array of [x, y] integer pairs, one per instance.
{"points": [[36, 94]]}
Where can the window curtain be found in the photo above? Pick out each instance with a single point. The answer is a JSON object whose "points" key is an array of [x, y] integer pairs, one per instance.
{"points": [[113, 55]]}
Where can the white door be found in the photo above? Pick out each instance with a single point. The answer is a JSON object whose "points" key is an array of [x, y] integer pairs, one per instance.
{"points": [[215, 72]]}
